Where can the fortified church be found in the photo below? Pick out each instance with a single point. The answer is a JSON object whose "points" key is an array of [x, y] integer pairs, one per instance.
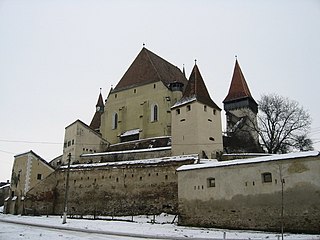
{"points": [[154, 126]]}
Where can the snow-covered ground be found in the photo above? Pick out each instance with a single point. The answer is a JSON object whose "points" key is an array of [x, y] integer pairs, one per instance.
{"points": [[141, 225]]}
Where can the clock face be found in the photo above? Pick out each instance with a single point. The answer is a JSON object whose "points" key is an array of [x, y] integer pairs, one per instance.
{"points": [[98, 108]]}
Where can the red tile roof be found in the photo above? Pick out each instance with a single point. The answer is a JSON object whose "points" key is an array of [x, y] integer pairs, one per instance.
{"points": [[238, 88], [196, 88], [148, 68]]}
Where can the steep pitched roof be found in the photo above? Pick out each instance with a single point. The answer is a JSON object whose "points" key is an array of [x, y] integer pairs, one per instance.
{"points": [[96, 120], [197, 90], [148, 68], [238, 88]]}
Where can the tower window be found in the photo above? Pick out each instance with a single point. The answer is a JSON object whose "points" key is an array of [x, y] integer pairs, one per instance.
{"points": [[188, 107], [154, 113], [115, 96], [154, 85], [214, 112], [205, 108], [39, 176], [134, 90], [178, 111], [115, 121]]}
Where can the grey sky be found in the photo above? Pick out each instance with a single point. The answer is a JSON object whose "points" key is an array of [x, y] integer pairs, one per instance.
{"points": [[55, 55]]}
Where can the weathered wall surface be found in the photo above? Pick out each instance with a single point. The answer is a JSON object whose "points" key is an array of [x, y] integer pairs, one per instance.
{"points": [[241, 200], [121, 190], [125, 156]]}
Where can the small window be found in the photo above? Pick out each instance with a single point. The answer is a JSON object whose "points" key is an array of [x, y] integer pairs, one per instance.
{"points": [[205, 108], [211, 182], [214, 112], [188, 107], [154, 85], [115, 96], [39, 176], [134, 90], [69, 143], [266, 177], [178, 111], [72, 141]]}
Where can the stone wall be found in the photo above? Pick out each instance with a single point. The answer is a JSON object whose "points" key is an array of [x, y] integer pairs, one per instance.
{"points": [[125, 189], [240, 199]]}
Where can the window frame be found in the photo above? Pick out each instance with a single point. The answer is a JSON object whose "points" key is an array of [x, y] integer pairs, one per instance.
{"points": [[266, 177]]}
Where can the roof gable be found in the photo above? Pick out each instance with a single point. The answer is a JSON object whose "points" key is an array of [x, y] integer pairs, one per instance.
{"points": [[238, 88], [148, 68], [197, 90]]}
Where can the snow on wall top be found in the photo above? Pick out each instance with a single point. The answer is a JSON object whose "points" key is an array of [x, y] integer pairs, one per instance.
{"points": [[130, 132], [152, 161], [5, 186], [184, 101], [126, 151], [276, 157]]}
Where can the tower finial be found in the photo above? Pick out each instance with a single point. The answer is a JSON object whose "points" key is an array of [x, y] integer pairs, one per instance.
{"points": [[236, 57], [183, 71], [143, 44], [195, 62], [100, 90]]}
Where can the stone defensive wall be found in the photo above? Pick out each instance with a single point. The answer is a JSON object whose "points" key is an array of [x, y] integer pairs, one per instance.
{"points": [[148, 186], [263, 193]]}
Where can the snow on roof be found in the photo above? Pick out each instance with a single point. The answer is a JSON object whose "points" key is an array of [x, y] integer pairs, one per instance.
{"points": [[152, 161], [184, 101], [139, 140], [130, 132], [126, 151], [276, 157], [4, 186], [14, 198]]}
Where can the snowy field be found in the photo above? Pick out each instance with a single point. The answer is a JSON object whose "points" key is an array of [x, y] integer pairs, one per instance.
{"points": [[141, 227]]}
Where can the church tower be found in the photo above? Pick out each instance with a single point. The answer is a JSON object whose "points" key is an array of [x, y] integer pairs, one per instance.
{"points": [[196, 121], [241, 112], [96, 120]]}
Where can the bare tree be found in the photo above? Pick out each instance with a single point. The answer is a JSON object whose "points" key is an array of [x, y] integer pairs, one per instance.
{"points": [[283, 124]]}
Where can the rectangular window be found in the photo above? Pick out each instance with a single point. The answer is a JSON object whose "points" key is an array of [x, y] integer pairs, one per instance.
{"points": [[266, 177], [39, 176], [214, 112], [205, 108], [188, 107], [211, 182], [178, 111]]}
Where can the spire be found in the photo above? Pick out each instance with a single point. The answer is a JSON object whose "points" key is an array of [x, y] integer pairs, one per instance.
{"points": [[96, 120], [184, 71], [100, 101], [196, 88], [238, 87]]}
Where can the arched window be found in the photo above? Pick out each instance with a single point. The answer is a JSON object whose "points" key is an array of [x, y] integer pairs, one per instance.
{"points": [[114, 120], [154, 113]]}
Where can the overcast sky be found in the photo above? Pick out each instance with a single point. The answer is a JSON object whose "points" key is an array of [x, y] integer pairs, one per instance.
{"points": [[56, 55]]}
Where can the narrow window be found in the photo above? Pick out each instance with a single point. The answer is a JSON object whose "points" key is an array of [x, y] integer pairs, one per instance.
{"points": [[154, 113], [211, 182], [39, 176], [178, 111], [266, 177], [134, 90], [154, 85], [115, 96], [115, 121], [214, 112], [166, 177], [188, 107], [205, 108]]}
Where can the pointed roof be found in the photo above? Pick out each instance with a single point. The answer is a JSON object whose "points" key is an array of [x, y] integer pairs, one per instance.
{"points": [[148, 68], [238, 88], [100, 100], [96, 120], [197, 90]]}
